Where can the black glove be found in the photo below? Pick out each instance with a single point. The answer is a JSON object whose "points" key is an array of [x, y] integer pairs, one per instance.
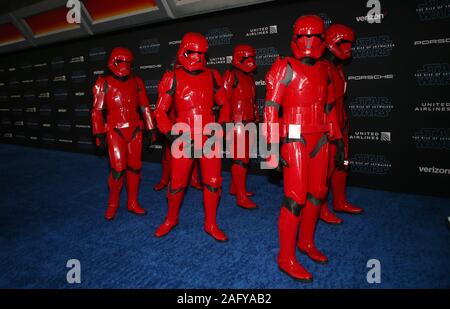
{"points": [[150, 136], [100, 140], [171, 137], [340, 154]]}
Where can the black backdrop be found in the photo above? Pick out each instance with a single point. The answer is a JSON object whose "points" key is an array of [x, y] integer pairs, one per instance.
{"points": [[398, 89]]}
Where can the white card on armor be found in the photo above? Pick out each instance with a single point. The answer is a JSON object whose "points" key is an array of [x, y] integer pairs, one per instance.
{"points": [[294, 131]]}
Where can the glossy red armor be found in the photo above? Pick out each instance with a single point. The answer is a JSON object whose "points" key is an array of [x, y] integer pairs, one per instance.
{"points": [[192, 52], [239, 85], [192, 93], [121, 98], [244, 58], [120, 61], [166, 164], [303, 89], [307, 37], [339, 40]]}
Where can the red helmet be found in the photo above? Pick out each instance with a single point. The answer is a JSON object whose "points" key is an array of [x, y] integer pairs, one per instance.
{"points": [[339, 40], [192, 52], [308, 36], [120, 61], [244, 58]]}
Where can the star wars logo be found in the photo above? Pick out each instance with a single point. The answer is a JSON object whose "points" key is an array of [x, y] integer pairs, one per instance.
{"points": [[432, 138], [326, 19], [219, 36], [78, 76], [273, 29], [433, 74], [433, 9], [370, 164], [432, 107], [371, 136], [374, 46], [151, 86], [266, 56], [57, 63], [149, 46], [97, 54], [60, 94], [371, 107]]}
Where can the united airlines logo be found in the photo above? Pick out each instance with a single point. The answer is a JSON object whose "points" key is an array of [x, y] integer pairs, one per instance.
{"points": [[266, 56], [77, 59], [217, 60], [433, 74], [428, 107], [370, 164], [266, 30], [432, 138], [371, 136], [374, 46], [219, 36], [373, 107], [433, 9], [149, 46], [97, 54]]}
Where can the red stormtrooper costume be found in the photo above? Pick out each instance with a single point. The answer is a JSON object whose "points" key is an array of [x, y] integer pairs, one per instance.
{"points": [[240, 87], [300, 86], [339, 40], [121, 96], [166, 162], [191, 89]]}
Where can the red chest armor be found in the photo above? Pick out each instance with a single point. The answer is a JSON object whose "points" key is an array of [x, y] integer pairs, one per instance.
{"points": [[122, 102], [306, 96], [194, 96], [243, 97]]}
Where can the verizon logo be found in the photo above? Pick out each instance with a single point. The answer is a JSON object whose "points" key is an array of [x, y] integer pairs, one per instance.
{"points": [[434, 170]]}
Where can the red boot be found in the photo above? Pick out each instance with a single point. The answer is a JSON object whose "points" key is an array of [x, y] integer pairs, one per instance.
{"points": [[287, 261], [133, 179], [171, 220], [310, 214], [115, 186], [327, 216], [239, 178], [165, 171], [195, 178], [211, 198], [340, 203], [233, 191]]}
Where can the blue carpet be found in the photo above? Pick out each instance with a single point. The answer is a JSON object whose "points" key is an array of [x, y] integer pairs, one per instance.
{"points": [[52, 211]]}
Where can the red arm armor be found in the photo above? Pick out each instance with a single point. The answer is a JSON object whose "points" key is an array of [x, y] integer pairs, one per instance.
{"points": [[164, 102], [144, 104], [227, 88], [275, 88], [335, 130], [221, 97], [98, 91]]}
